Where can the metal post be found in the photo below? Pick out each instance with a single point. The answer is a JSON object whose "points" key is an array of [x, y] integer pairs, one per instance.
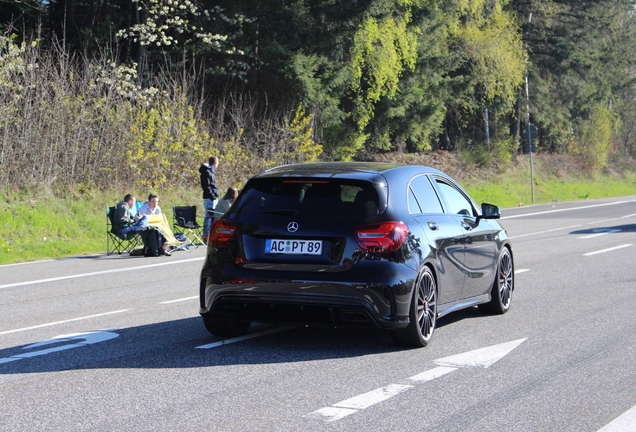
{"points": [[530, 139], [487, 130]]}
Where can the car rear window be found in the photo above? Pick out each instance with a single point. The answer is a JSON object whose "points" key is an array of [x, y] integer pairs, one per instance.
{"points": [[308, 198]]}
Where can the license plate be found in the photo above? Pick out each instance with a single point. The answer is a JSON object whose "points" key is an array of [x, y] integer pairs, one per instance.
{"points": [[293, 247]]}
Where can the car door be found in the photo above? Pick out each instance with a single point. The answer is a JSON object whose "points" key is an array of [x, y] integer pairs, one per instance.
{"points": [[478, 238], [444, 236]]}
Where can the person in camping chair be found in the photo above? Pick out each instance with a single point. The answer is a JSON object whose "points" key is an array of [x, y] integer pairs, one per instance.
{"points": [[123, 221], [151, 207], [226, 202]]}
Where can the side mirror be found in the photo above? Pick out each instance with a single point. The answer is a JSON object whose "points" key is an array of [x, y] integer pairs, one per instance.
{"points": [[490, 211]]}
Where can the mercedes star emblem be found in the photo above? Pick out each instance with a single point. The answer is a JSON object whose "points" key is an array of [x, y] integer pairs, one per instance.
{"points": [[292, 227]]}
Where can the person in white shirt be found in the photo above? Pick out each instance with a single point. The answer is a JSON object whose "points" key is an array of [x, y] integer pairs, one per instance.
{"points": [[150, 207], [225, 203]]}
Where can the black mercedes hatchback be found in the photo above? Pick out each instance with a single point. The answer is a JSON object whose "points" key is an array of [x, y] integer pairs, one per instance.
{"points": [[354, 244]]}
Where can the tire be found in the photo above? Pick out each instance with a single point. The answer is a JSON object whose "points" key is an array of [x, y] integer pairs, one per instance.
{"points": [[422, 313], [503, 285], [225, 328]]}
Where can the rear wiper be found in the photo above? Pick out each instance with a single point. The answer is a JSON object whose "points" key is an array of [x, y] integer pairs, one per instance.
{"points": [[286, 212]]}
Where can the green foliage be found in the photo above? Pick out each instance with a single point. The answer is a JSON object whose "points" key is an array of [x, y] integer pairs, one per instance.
{"points": [[488, 68], [563, 182], [626, 135], [321, 84], [35, 223], [294, 143], [469, 54], [383, 48], [101, 129], [372, 76], [412, 119], [344, 143], [301, 145], [596, 135], [165, 143], [497, 155], [40, 227], [497, 58], [581, 54]]}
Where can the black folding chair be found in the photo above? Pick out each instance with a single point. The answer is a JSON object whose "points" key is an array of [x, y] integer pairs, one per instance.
{"points": [[185, 221], [116, 242]]}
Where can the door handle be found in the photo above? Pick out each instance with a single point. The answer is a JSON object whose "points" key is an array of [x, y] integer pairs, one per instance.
{"points": [[432, 225]]}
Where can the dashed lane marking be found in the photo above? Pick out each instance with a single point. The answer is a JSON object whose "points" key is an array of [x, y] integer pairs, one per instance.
{"points": [[608, 250], [56, 279], [242, 338], [179, 300], [63, 322]]}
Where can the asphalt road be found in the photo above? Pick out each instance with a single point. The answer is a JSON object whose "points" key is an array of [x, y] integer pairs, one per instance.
{"points": [[116, 344]]}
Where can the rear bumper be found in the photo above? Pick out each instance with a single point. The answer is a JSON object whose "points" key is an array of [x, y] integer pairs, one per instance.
{"points": [[308, 302]]}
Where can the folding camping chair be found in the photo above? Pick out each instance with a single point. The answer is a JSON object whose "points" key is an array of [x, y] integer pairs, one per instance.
{"points": [[185, 221], [116, 242]]}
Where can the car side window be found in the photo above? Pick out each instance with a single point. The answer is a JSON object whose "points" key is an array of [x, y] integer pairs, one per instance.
{"points": [[414, 206], [425, 196], [456, 201]]}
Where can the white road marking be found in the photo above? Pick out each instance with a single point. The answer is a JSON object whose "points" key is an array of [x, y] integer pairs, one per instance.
{"points": [[600, 232], [87, 338], [587, 237], [564, 228], [353, 405], [373, 397], [607, 250], [545, 232], [246, 337], [521, 271], [625, 423], [97, 273], [330, 414], [432, 374], [179, 300], [483, 357], [26, 263], [62, 322], [566, 209]]}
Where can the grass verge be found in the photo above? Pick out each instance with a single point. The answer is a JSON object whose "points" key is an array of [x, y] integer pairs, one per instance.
{"points": [[72, 222], [553, 182], [56, 224]]}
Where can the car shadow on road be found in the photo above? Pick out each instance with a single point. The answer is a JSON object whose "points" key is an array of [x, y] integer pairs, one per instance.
{"points": [[460, 315], [606, 230], [173, 344], [185, 343]]}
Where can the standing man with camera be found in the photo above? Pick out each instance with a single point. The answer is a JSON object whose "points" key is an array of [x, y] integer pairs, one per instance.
{"points": [[210, 193]]}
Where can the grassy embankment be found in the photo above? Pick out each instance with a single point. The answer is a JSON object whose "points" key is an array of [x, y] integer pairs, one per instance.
{"points": [[53, 224], [56, 224]]}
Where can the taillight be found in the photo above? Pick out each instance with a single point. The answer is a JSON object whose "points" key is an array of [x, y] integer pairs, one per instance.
{"points": [[221, 232], [382, 236]]}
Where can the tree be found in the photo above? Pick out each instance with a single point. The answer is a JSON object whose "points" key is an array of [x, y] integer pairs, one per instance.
{"points": [[489, 69], [582, 53], [21, 17], [411, 119]]}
